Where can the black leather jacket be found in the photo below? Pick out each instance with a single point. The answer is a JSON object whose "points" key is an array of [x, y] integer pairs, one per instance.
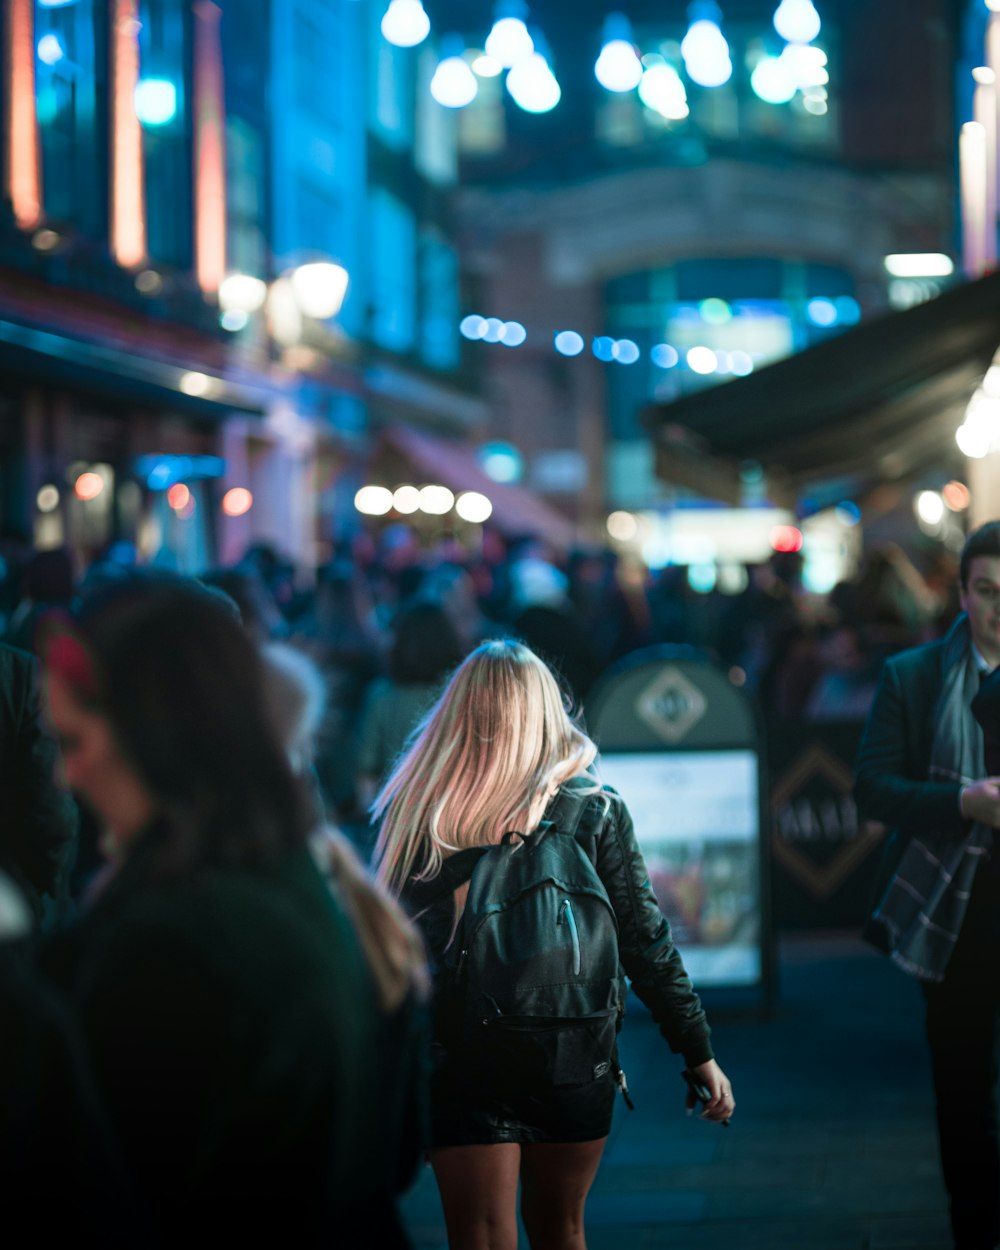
{"points": [[648, 955]]}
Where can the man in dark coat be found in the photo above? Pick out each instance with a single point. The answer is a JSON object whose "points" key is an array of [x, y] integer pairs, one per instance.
{"points": [[39, 823], [921, 770]]}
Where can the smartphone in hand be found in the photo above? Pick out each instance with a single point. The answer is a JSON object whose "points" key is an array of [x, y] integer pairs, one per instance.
{"points": [[700, 1091]]}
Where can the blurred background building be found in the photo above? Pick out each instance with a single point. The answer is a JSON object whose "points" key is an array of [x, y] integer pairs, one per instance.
{"points": [[255, 257]]}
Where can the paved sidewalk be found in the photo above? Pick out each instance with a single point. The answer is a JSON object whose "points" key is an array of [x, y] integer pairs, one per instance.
{"points": [[832, 1146]]}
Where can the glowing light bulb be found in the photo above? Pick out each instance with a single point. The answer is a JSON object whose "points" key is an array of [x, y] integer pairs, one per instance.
{"points": [[797, 21], [454, 84], [533, 86], [706, 54], [618, 67], [773, 80], [405, 23], [509, 42], [662, 90]]}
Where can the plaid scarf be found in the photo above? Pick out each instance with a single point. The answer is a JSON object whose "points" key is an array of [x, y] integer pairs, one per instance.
{"points": [[925, 901]]}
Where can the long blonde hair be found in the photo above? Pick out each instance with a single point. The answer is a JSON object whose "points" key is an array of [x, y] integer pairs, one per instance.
{"points": [[486, 759]]}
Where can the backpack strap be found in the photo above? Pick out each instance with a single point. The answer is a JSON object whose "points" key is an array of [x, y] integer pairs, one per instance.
{"points": [[456, 870]]}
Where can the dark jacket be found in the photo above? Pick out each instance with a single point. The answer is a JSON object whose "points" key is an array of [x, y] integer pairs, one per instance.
{"points": [[648, 955], [39, 824], [894, 755], [230, 1024]]}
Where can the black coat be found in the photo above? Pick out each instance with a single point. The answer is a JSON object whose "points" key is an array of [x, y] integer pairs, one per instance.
{"points": [[39, 823], [891, 782], [648, 955], [231, 1026]]}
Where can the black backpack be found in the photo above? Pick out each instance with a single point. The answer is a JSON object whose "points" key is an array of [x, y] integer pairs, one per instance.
{"points": [[535, 964]]}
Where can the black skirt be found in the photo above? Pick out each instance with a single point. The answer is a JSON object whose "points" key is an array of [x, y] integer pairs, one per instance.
{"points": [[471, 1107]]}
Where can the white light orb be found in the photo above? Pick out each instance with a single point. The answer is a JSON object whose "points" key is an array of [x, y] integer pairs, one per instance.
{"points": [[405, 23], [773, 81], [47, 499], [806, 65], [436, 500], [509, 42], [319, 288], [50, 49], [242, 292], [195, 383], [406, 499], [568, 343], [454, 84], [741, 363], [474, 507], [513, 334], [973, 439], [533, 86], [472, 327], [622, 526], [929, 507], [618, 67], [625, 352], [662, 90], [493, 330], [702, 360], [373, 500], [822, 311], [155, 101], [664, 356], [706, 54], [797, 21], [486, 66]]}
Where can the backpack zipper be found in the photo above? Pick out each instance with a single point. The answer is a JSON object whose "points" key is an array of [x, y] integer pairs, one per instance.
{"points": [[567, 911]]}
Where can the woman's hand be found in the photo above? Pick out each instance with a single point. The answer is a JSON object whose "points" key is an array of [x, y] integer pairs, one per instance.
{"points": [[722, 1104]]}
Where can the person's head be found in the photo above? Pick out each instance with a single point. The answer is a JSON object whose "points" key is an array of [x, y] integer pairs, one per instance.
{"points": [[296, 699], [157, 695], [425, 645], [979, 588], [491, 752]]}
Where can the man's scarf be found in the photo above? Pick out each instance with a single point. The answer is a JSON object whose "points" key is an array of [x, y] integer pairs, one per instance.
{"points": [[924, 904]]}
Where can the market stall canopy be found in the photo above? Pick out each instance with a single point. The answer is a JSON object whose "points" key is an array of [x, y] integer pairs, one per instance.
{"points": [[517, 512], [877, 403]]}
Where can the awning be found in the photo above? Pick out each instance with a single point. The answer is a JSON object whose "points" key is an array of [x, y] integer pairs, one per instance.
{"points": [[877, 403], [516, 512]]}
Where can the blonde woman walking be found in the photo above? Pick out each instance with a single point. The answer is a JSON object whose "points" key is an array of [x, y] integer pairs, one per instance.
{"points": [[497, 753]]}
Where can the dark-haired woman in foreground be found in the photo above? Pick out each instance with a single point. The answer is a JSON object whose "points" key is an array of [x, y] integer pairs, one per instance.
{"points": [[226, 1007]]}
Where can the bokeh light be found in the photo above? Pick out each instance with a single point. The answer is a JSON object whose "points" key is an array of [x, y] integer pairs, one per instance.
{"points": [[237, 501]]}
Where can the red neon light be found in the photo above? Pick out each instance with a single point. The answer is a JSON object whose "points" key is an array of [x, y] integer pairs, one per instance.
{"points": [[209, 150], [24, 169], [128, 192]]}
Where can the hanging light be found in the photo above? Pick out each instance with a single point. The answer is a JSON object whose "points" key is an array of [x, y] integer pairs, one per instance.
{"points": [[319, 288], [618, 67], [532, 84], [454, 84], [704, 47], [509, 41], [662, 90], [405, 23], [773, 80], [797, 21]]}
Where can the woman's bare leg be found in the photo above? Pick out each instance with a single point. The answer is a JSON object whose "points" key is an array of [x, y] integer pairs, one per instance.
{"points": [[555, 1181], [478, 1187]]}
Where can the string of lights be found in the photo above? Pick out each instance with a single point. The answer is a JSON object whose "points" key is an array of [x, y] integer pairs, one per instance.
{"points": [[516, 46]]}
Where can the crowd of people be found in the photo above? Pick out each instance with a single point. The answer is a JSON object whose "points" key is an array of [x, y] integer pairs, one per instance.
{"points": [[229, 1020]]}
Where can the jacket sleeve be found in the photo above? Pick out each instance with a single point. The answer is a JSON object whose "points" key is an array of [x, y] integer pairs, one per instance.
{"points": [[648, 955], [891, 772]]}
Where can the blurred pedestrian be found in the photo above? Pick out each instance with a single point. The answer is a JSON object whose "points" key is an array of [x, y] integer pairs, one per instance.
{"points": [[530, 1097], [425, 647], [922, 770], [224, 1001]]}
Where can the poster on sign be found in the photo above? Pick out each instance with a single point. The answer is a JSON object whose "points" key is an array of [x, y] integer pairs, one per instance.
{"points": [[697, 822]]}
